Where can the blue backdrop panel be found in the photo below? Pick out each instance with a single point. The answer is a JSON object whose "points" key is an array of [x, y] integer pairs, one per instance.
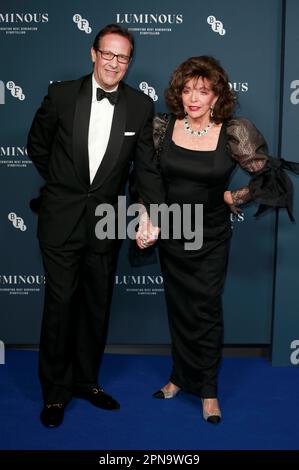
{"points": [[44, 41], [286, 319]]}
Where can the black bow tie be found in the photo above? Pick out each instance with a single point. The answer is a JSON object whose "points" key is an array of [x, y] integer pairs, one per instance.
{"points": [[112, 96]]}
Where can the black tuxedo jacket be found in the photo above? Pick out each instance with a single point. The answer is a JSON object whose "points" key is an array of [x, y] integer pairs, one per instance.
{"points": [[58, 146]]}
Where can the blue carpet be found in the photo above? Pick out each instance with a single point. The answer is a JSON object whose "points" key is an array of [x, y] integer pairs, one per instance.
{"points": [[259, 405]]}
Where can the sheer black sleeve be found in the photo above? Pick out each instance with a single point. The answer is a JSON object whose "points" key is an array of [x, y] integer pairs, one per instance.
{"points": [[270, 185]]}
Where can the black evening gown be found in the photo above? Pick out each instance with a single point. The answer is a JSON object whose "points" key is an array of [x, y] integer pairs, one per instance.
{"points": [[194, 280]]}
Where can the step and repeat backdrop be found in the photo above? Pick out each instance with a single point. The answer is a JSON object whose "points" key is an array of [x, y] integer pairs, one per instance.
{"points": [[256, 42]]}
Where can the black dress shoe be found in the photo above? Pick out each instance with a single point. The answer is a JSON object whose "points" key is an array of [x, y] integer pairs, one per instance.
{"points": [[52, 415], [97, 397]]}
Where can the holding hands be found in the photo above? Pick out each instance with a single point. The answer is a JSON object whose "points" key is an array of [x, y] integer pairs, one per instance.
{"points": [[147, 234]]}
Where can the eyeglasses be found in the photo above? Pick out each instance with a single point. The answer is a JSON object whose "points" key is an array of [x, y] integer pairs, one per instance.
{"points": [[107, 55]]}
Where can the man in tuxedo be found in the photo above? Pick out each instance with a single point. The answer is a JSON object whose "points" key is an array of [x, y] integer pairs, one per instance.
{"points": [[82, 141]]}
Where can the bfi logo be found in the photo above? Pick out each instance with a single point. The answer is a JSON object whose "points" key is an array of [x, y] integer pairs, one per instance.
{"points": [[216, 25], [17, 222], [15, 91], [82, 23], [148, 90]]}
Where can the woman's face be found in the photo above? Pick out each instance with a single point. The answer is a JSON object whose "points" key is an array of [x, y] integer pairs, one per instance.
{"points": [[198, 97]]}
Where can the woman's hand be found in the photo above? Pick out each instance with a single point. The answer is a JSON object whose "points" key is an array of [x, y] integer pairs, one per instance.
{"points": [[229, 201]]}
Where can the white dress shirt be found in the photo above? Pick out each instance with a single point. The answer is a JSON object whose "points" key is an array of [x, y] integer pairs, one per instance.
{"points": [[99, 129]]}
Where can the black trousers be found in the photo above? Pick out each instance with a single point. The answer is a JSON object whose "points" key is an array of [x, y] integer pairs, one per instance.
{"points": [[79, 283]]}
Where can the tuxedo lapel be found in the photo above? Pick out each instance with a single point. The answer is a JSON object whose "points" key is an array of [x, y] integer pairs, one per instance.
{"points": [[115, 140], [80, 130]]}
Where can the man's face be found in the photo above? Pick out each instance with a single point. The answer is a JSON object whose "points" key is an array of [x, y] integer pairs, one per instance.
{"points": [[108, 73]]}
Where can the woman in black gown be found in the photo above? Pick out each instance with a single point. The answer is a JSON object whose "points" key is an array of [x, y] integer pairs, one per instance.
{"points": [[198, 147]]}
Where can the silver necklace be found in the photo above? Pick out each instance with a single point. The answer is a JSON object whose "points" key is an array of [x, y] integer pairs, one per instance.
{"points": [[196, 133]]}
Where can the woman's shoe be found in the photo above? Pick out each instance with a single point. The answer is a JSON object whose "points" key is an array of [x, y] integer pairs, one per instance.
{"points": [[212, 415], [165, 394]]}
